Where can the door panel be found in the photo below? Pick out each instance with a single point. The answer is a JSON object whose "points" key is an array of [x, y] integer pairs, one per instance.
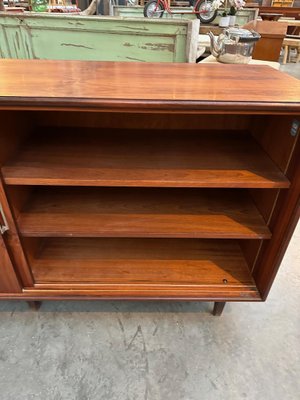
{"points": [[8, 279]]}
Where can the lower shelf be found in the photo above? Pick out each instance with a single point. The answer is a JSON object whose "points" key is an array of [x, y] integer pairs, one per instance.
{"points": [[143, 268]]}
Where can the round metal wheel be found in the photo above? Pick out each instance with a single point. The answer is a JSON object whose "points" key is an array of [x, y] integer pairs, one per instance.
{"points": [[153, 9], [206, 12]]}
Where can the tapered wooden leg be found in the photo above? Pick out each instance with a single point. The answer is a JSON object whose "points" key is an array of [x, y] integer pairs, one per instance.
{"points": [[34, 305], [298, 55], [218, 308], [285, 54]]}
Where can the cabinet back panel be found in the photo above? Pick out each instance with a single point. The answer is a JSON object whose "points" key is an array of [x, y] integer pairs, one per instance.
{"points": [[140, 120]]}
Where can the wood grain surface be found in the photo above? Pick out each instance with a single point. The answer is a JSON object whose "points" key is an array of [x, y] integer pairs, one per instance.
{"points": [[143, 158], [8, 279], [115, 212], [145, 85], [142, 265]]}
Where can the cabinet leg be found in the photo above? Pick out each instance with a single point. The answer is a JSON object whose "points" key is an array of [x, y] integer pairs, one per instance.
{"points": [[285, 54], [218, 308], [34, 305]]}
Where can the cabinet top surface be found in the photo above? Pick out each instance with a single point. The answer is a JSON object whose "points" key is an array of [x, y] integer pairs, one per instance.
{"points": [[113, 85]]}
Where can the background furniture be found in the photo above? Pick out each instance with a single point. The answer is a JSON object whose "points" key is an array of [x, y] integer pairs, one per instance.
{"points": [[74, 37], [291, 12], [212, 60], [292, 39], [242, 16], [272, 35], [282, 3], [289, 44], [146, 181]]}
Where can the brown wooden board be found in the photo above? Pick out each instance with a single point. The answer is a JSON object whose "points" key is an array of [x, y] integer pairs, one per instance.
{"points": [[140, 86], [191, 267], [172, 159], [116, 212]]}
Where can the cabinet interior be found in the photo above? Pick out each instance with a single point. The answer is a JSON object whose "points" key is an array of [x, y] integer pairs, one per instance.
{"points": [[139, 203]]}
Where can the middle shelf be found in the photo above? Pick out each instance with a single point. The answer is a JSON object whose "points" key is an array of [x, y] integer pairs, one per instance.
{"points": [[140, 212]]}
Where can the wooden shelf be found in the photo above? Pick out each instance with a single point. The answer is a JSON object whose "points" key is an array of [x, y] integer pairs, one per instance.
{"points": [[145, 267], [143, 158], [142, 212]]}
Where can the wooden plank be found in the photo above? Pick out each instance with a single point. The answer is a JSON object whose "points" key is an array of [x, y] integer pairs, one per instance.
{"points": [[75, 37], [291, 12], [136, 266], [115, 212], [140, 86], [142, 158]]}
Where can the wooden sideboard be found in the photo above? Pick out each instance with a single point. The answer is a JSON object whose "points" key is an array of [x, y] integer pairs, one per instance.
{"points": [[291, 12], [146, 181], [272, 35]]}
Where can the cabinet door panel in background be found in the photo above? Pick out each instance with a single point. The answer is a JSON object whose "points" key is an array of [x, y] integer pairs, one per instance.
{"points": [[8, 279]]}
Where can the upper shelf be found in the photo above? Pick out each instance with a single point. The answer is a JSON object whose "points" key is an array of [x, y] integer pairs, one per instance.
{"points": [[143, 158], [146, 86]]}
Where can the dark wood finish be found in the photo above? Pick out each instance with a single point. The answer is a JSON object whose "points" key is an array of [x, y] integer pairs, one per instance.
{"points": [[291, 12], [110, 120], [146, 86], [115, 212], [8, 280], [274, 135], [203, 177], [269, 45], [269, 48], [34, 305], [141, 266], [12, 133], [283, 222], [170, 159], [270, 16], [13, 242], [218, 308]]}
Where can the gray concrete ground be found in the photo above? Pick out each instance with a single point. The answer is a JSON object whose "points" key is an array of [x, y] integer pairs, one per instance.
{"points": [[291, 69], [156, 351]]}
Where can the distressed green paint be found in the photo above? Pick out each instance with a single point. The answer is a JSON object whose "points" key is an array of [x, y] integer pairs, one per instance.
{"points": [[70, 37]]}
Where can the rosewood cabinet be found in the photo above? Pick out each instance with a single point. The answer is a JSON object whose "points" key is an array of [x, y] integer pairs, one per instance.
{"points": [[146, 181]]}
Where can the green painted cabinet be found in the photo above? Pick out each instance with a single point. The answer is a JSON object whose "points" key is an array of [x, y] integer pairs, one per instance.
{"points": [[75, 37]]}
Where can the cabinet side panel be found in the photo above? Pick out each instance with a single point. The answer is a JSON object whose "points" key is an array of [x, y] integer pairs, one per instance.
{"points": [[282, 224], [273, 133]]}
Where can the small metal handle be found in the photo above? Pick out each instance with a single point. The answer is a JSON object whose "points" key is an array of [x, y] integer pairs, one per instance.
{"points": [[3, 228]]}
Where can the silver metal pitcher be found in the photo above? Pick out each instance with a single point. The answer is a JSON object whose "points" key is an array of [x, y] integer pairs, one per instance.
{"points": [[234, 45]]}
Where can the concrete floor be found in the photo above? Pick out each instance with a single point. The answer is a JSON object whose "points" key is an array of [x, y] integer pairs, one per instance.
{"points": [[294, 70], [156, 351]]}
